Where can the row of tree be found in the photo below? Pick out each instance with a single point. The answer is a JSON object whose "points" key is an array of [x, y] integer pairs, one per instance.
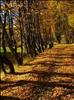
{"points": [[33, 26]]}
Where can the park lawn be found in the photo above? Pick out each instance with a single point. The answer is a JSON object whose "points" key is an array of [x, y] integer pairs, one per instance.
{"points": [[8, 50]]}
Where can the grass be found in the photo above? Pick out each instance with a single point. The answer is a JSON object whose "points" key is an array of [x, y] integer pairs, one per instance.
{"points": [[8, 50]]}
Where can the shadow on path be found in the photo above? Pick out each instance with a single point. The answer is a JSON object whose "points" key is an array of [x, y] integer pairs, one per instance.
{"points": [[63, 84], [8, 98]]}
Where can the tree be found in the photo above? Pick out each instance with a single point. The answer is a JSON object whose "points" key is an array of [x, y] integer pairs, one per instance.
{"points": [[4, 61]]}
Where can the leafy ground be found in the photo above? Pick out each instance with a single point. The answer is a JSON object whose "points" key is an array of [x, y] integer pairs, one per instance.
{"points": [[50, 76]]}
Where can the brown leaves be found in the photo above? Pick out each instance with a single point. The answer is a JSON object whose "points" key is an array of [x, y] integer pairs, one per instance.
{"points": [[49, 76]]}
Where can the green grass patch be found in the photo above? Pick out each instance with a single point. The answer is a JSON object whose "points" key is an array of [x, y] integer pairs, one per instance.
{"points": [[9, 51]]}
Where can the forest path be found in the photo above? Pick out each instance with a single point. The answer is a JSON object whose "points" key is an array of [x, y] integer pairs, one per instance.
{"points": [[50, 76]]}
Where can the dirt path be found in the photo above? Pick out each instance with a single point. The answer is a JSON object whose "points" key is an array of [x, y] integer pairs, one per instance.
{"points": [[50, 76]]}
